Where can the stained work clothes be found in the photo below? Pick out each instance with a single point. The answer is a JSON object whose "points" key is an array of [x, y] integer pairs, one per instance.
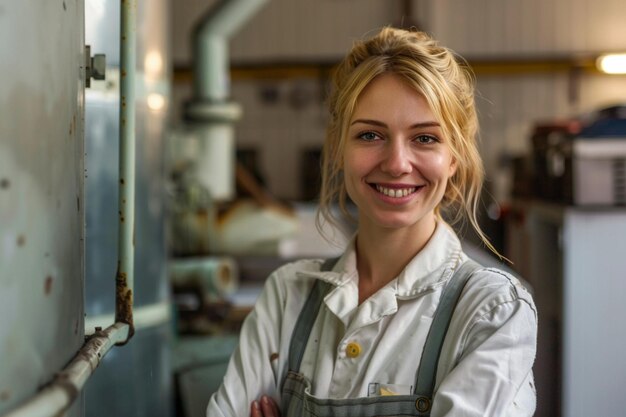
{"points": [[486, 359]]}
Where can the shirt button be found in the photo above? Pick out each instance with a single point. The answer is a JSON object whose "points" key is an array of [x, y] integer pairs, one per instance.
{"points": [[353, 350]]}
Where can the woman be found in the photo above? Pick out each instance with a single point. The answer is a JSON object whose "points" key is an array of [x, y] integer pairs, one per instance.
{"points": [[380, 331]]}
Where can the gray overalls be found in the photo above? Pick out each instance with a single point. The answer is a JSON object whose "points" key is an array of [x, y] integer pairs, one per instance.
{"points": [[296, 398]]}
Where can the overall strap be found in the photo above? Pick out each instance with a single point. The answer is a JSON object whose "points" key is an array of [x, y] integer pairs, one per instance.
{"points": [[427, 371], [306, 319]]}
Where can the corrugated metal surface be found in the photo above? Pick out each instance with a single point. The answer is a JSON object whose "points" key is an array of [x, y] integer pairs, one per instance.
{"points": [[41, 193]]}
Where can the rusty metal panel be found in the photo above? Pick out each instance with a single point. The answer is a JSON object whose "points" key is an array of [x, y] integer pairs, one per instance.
{"points": [[41, 193]]}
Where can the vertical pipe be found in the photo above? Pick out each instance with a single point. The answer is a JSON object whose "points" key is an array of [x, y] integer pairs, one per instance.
{"points": [[125, 265], [211, 36]]}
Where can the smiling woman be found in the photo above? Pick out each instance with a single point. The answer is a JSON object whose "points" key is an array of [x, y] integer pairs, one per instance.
{"points": [[403, 323], [396, 161]]}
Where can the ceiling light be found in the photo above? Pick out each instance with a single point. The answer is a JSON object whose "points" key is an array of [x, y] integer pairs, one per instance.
{"points": [[155, 101], [612, 63]]}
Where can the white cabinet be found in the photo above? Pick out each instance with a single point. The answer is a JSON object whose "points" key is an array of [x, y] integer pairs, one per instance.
{"points": [[577, 266]]}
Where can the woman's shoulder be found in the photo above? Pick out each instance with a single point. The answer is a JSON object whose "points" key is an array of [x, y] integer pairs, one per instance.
{"points": [[498, 278], [489, 288]]}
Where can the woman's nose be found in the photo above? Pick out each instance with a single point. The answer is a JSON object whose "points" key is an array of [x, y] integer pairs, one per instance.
{"points": [[397, 159]]}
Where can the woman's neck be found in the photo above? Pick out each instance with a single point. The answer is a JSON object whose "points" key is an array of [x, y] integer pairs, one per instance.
{"points": [[383, 253]]}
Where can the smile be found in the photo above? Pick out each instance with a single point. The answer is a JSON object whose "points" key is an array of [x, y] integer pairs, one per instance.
{"points": [[396, 192]]}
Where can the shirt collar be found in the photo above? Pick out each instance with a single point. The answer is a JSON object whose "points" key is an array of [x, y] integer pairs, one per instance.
{"points": [[429, 269]]}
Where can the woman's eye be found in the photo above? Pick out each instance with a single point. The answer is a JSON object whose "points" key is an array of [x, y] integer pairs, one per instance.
{"points": [[426, 139], [368, 136]]}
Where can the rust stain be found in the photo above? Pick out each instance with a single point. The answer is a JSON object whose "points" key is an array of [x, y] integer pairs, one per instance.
{"points": [[21, 240], [4, 183], [78, 203], [224, 276], [124, 301], [124, 71], [273, 357], [47, 285], [93, 347]]}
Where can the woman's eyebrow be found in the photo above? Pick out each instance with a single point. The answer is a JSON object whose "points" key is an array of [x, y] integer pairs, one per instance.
{"points": [[381, 124]]}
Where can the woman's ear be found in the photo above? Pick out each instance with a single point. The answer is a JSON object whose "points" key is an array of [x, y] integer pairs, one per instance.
{"points": [[453, 165]]}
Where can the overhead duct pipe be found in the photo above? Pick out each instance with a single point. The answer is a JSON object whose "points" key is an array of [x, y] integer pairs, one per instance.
{"points": [[210, 111], [210, 38]]}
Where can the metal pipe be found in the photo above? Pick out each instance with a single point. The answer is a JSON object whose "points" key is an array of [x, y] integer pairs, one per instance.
{"points": [[211, 36], [125, 265], [210, 109], [59, 395]]}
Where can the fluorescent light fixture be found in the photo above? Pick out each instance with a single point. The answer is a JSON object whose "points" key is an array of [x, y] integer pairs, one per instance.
{"points": [[612, 63]]}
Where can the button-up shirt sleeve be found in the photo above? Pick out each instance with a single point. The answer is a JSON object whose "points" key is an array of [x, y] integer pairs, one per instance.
{"points": [[252, 368], [496, 350]]}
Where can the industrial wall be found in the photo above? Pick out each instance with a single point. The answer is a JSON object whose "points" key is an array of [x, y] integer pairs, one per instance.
{"points": [[535, 46], [41, 193]]}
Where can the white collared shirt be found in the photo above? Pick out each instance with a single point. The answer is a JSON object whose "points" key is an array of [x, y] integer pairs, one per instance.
{"points": [[486, 360]]}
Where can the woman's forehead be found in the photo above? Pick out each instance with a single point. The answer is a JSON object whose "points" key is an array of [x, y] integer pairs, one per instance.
{"points": [[390, 97]]}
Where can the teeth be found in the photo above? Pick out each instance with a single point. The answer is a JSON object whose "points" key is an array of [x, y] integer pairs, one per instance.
{"points": [[395, 192]]}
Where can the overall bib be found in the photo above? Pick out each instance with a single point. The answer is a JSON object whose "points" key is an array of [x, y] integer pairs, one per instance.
{"points": [[296, 398]]}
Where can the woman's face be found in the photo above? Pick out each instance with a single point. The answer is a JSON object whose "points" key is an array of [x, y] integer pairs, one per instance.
{"points": [[396, 161]]}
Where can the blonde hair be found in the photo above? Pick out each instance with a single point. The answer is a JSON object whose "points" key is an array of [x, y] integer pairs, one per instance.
{"points": [[446, 83]]}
